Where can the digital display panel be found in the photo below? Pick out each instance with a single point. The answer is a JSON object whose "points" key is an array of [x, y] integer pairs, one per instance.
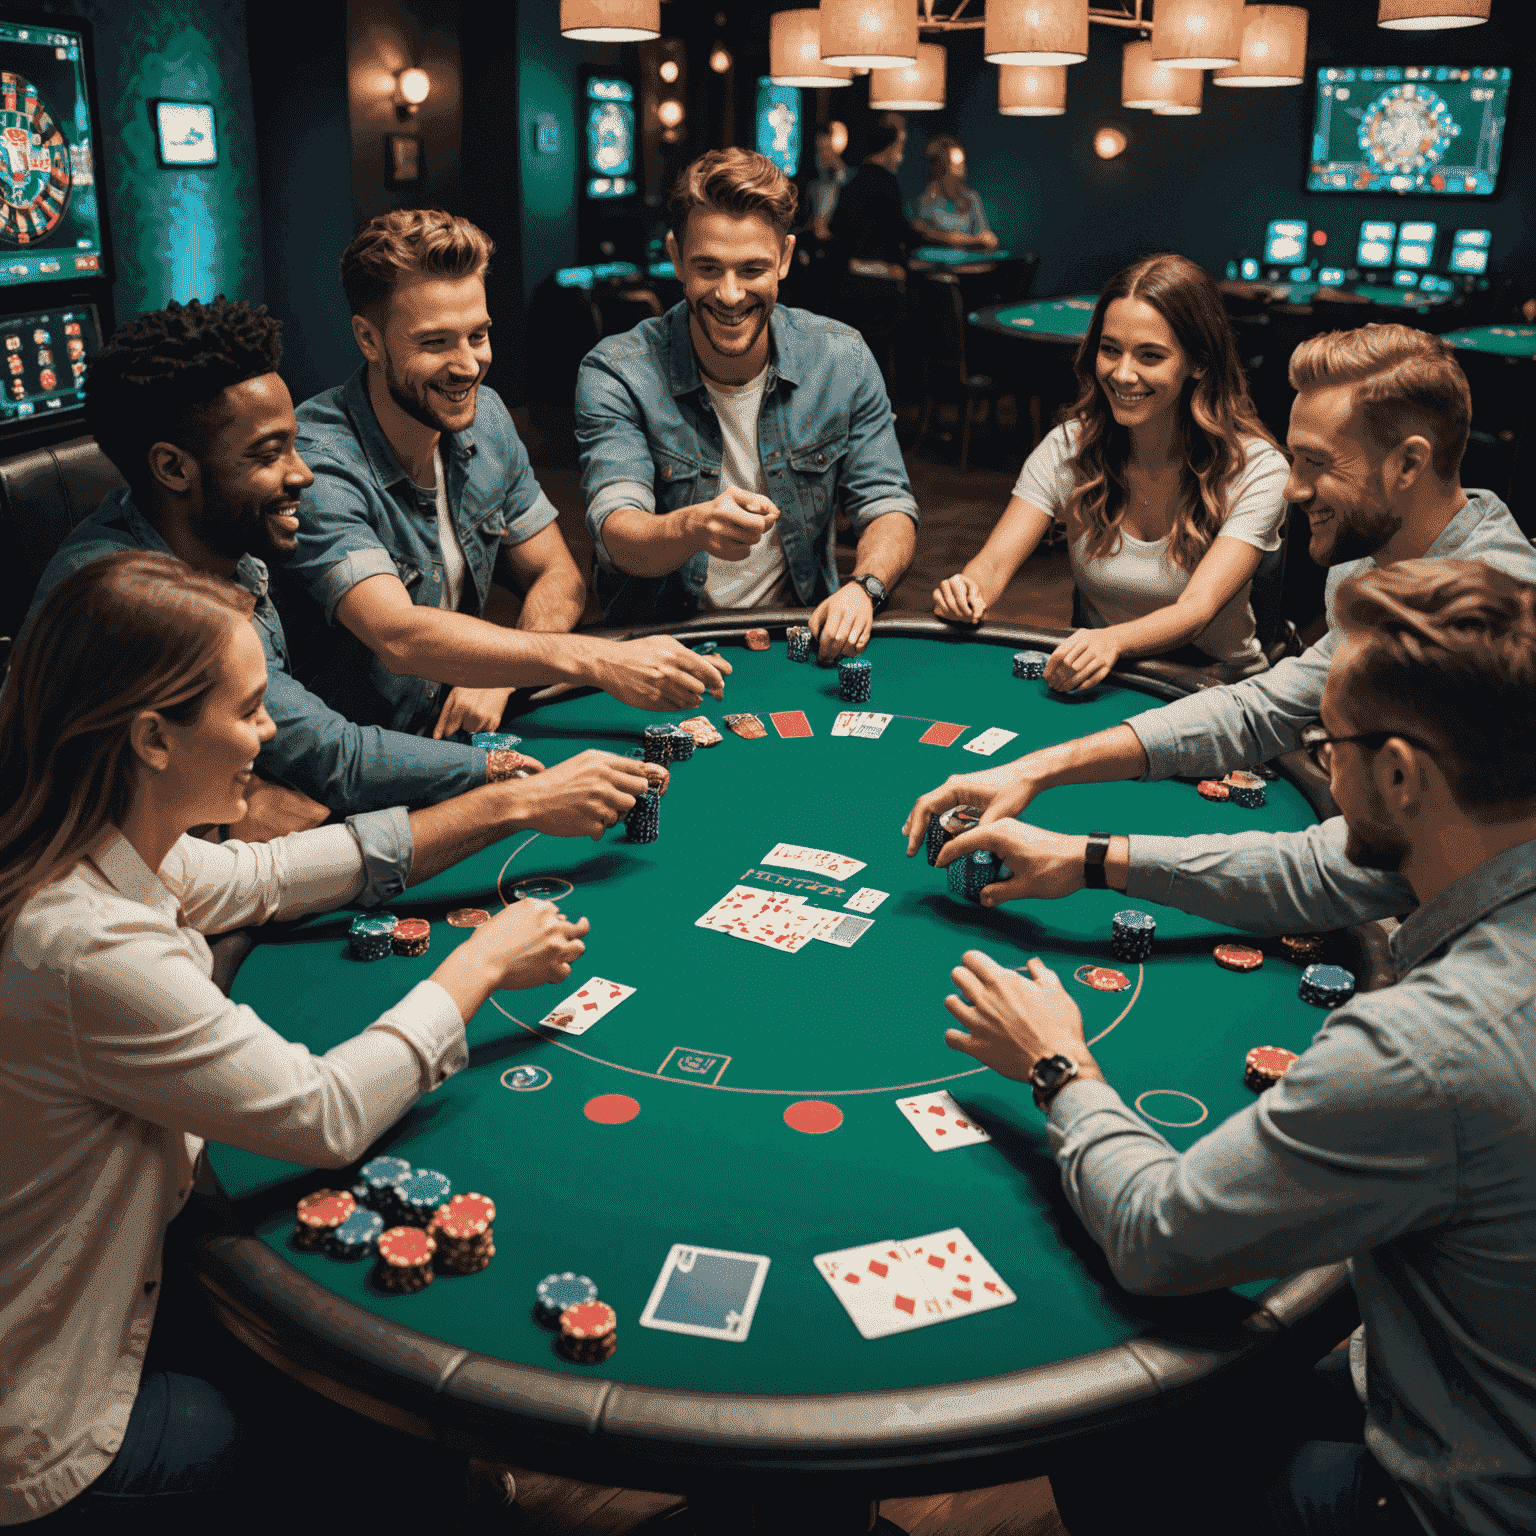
{"points": [[1376, 243], [1415, 245], [50, 221], [610, 138], [186, 133], [1469, 251], [1436, 129], [1331, 277], [1285, 240], [778, 124], [45, 354]]}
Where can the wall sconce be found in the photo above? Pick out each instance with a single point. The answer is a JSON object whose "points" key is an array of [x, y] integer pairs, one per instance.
{"points": [[668, 71], [670, 113], [1109, 142], [412, 87], [720, 60]]}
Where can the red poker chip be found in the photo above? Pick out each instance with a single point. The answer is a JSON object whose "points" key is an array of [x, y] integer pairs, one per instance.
{"points": [[326, 1208], [411, 928], [1102, 978], [406, 1246], [1240, 779], [465, 1216], [1271, 1062], [1238, 957], [757, 639], [589, 1320], [468, 917], [1213, 789]]}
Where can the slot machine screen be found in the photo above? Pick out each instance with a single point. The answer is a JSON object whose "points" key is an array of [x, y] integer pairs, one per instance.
{"points": [[45, 354], [1469, 251], [610, 138], [1285, 241], [1374, 249], [1416, 245], [1430, 130], [50, 219]]}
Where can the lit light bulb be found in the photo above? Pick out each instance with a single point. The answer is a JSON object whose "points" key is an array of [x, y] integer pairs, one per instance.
{"points": [[668, 70], [415, 86], [670, 113], [719, 60], [839, 133], [1108, 142]]}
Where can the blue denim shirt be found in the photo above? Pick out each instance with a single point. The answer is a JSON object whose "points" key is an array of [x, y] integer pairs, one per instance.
{"points": [[650, 439], [365, 517], [348, 768]]}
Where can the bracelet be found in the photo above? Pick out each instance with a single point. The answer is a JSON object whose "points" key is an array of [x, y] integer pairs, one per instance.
{"points": [[502, 764], [1093, 861]]}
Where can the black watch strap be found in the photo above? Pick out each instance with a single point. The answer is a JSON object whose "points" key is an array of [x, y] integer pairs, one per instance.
{"points": [[1093, 861]]}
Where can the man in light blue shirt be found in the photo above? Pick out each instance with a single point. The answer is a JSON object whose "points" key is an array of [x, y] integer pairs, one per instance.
{"points": [[1404, 1138]]}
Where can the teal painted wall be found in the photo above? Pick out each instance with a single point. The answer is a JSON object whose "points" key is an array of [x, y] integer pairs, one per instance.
{"points": [[177, 234]]}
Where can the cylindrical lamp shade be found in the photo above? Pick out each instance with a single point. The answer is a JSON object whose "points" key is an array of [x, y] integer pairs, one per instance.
{"points": [[1197, 34], [1274, 48], [610, 21], [874, 34], [915, 87], [1189, 87], [794, 51], [1036, 32], [1032, 90], [1431, 15], [1148, 85]]}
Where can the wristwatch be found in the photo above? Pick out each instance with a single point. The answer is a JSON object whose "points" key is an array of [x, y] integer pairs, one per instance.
{"points": [[1049, 1076], [874, 588], [1093, 861]]}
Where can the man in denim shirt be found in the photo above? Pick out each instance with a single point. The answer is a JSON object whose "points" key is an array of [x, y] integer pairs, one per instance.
{"points": [[1404, 1138], [188, 405], [421, 487], [717, 440]]}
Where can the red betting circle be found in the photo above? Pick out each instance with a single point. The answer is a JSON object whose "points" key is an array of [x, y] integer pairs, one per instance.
{"points": [[611, 1109], [815, 1117]]}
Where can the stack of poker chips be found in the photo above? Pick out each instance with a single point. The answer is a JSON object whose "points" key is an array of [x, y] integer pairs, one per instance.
{"points": [[1266, 1065], [589, 1333], [683, 745], [1030, 664], [405, 1260], [357, 1237], [318, 1215], [1131, 935], [372, 936], [853, 680], [556, 1293], [969, 876], [799, 638], [1303, 946], [417, 1198], [376, 1181], [495, 741], [657, 744], [1245, 789], [644, 822], [1213, 789], [1326, 986], [411, 937], [464, 1234], [945, 825], [1238, 957]]}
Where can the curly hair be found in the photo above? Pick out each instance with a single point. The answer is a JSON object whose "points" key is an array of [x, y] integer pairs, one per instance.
{"points": [[159, 378], [1449, 652], [737, 182], [410, 242], [1215, 413]]}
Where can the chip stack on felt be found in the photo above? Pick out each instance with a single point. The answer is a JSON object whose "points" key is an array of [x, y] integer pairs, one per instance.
{"points": [[683, 744], [799, 639], [853, 679], [357, 1237], [555, 1293], [411, 937], [405, 1260], [589, 1333], [1131, 935], [419, 1196], [318, 1215], [464, 1234], [1326, 986], [376, 1184], [1029, 664], [657, 744], [644, 821], [372, 935]]}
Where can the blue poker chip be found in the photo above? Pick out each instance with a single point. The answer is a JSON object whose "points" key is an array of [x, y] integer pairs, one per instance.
{"points": [[357, 1237], [1326, 986], [707, 648], [554, 1293], [1132, 921], [373, 925], [381, 1173], [421, 1194], [495, 741]]}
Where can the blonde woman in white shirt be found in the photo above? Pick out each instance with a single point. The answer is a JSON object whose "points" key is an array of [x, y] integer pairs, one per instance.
{"points": [[1168, 485], [133, 714]]}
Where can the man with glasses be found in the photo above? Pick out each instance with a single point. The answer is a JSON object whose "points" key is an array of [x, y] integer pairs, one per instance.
{"points": [[1377, 432], [1403, 1138]]}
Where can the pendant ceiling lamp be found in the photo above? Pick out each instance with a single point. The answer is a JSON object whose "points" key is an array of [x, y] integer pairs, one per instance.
{"points": [[1274, 48], [1431, 15], [1032, 90], [794, 51], [875, 34], [1148, 85], [915, 87], [1197, 34], [610, 21], [1188, 89], [1036, 32]]}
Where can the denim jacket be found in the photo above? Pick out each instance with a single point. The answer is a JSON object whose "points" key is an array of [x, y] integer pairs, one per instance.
{"points": [[349, 768], [650, 439], [365, 517]]}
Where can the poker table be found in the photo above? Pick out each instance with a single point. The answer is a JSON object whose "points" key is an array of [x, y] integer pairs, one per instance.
{"points": [[948, 258], [1515, 342], [745, 1099], [1063, 320]]}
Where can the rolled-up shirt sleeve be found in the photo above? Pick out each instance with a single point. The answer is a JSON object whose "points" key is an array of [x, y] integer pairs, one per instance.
{"points": [[872, 478], [616, 465], [526, 508], [338, 546]]}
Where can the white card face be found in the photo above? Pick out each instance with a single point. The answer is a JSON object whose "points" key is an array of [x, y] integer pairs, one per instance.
{"points": [[941, 1122], [865, 899], [990, 740], [584, 1007], [816, 861], [845, 933], [881, 1288], [738, 902], [956, 1274], [866, 724], [711, 1293]]}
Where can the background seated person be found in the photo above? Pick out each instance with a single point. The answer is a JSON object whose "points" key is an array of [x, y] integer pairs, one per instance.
{"points": [[188, 404], [870, 224], [411, 511], [717, 440], [1403, 1139], [134, 713], [1170, 487], [831, 177], [949, 212]]}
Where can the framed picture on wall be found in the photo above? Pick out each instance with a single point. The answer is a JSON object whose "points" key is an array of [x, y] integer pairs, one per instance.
{"points": [[403, 162], [184, 133]]}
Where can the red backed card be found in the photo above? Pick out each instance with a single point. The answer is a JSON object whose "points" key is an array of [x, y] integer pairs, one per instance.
{"points": [[792, 722], [941, 735]]}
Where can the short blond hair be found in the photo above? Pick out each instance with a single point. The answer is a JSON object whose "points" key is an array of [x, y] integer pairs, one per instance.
{"points": [[737, 182], [410, 242], [1406, 382]]}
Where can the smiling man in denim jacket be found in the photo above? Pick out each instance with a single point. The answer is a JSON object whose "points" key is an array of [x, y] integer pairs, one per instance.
{"points": [[717, 440]]}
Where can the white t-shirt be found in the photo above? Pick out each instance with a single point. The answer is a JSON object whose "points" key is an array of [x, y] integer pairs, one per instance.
{"points": [[448, 541], [762, 579], [1140, 577]]}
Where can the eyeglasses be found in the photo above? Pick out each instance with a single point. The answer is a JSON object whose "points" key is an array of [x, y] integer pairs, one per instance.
{"points": [[1319, 745]]}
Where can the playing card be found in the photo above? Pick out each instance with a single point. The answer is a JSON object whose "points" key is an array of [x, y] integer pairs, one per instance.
{"points": [[741, 902], [748, 727], [989, 741], [701, 730], [816, 861], [941, 735], [709, 1292], [881, 1288], [778, 926], [862, 723], [957, 1275], [846, 931], [584, 1007], [865, 899], [941, 1122], [791, 722]]}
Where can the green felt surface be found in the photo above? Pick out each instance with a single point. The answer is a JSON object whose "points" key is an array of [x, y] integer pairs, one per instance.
{"points": [[717, 1165], [1502, 340], [949, 256], [1069, 316]]}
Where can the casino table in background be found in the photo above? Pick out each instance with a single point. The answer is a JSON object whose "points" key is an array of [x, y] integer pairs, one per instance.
{"points": [[1063, 321], [719, 1040]]}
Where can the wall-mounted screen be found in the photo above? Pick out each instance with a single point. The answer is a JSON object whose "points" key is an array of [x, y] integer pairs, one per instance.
{"points": [[1432, 129], [45, 354], [1285, 241], [1469, 251], [50, 222], [1374, 248], [610, 135], [778, 124], [184, 133]]}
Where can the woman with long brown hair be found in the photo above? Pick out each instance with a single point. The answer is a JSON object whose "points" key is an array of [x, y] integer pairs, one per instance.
{"points": [[1169, 487], [134, 713]]}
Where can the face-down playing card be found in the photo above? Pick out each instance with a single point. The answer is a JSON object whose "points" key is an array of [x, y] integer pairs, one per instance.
{"points": [[709, 1292]]}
